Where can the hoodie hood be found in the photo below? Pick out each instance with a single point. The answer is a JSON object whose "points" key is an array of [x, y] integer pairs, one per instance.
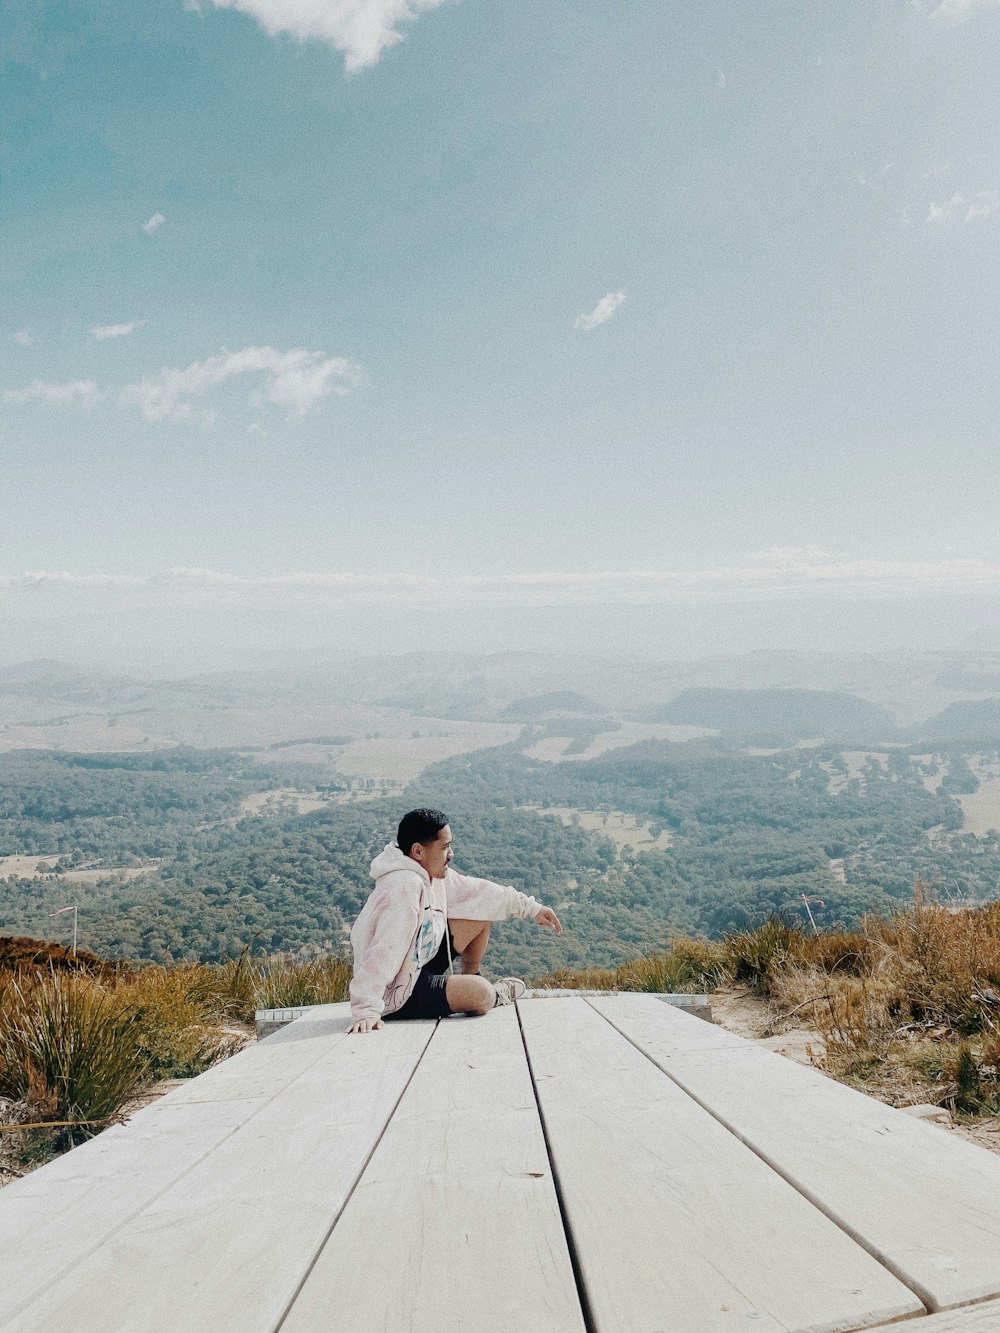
{"points": [[391, 859]]}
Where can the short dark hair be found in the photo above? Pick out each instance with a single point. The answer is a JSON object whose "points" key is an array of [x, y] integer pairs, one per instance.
{"points": [[421, 826]]}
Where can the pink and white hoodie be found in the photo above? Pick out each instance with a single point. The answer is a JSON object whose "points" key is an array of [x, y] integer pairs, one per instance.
{"points": [[401, 926]]}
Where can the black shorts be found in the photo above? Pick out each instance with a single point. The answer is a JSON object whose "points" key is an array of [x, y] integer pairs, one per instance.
{"points": [[428, 998]]}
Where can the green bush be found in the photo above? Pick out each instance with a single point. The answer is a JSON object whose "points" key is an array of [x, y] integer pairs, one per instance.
{"points": [[176, 1013], [70, 1050], [687, 965], [280, 984], [750, 955]]}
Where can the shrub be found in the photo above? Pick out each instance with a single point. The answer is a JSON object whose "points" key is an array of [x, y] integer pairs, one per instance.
{"points": [[21, 953], [944, 965], [175, 1013], [968, 1085], [235, 984], [279, 984], [685, 966], [69, 1049], [247, 983], [564, 978], [750, 956], [849, 951]]}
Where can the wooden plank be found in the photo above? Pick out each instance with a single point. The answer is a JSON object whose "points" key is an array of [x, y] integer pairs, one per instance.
{"points": [[970, 1319], [456, 1210], [226, 1246], [59, 1214], [676, 1224], [924, 1201]]}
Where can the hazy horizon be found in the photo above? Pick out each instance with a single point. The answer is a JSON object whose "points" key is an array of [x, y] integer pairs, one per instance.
{"points": [[165, 640]]}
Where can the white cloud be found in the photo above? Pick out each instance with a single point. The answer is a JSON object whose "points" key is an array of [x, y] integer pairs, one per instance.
{"points": [[721, 81], [968, 208], [772, 576], [793, 555], [360, 29], [298, 380], [76, 393], [100, 332], [956, 11], [154, 224], [25, 338], [601, 312], [986, 204]]}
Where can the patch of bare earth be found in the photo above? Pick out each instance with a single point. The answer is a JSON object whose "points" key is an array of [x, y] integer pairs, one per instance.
{"points": [[762, 1021]]}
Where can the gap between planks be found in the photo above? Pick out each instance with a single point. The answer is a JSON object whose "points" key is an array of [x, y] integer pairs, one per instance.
{"points": [[589, 1322], [49, 1230], [350, 1193], [935, 1264], [718, 1274], [916, 1287]]}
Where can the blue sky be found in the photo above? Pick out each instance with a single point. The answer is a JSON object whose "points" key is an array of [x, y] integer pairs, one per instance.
{"points": [[625, 301]]}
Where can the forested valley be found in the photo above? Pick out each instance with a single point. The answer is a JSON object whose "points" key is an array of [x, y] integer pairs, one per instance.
{"points": [[167, 862]]}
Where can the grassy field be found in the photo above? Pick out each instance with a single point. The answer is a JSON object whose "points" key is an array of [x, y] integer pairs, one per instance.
{"points": [[283, 799], [402, 758], [981, 809], [624, 830], [553, 748], [223, 727], [39, 867]]}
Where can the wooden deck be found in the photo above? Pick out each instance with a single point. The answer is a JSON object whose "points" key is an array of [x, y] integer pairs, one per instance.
{"points": [[605, 1164]]}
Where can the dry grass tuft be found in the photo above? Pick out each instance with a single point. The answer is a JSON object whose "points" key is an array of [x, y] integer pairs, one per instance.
{"points": [[944, 965], [282, 983], [69, 1050], [247, 983], [686, 965], [178, 1015], [751, 957], [591, 978]]}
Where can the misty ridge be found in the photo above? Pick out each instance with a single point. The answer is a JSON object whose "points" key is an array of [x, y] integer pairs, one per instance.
{"points": [[195, 816]]}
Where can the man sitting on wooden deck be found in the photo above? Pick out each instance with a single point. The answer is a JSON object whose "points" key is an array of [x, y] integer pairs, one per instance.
{"points": [[419, 914]]}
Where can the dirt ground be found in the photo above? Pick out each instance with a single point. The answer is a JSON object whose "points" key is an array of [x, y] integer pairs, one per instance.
{"points": [[756, 1018]]}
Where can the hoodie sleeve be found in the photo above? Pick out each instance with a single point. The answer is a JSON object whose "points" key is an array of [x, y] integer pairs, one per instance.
{"points": [[482, 900], [390, 942]]}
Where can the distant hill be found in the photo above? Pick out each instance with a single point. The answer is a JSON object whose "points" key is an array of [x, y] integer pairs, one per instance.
{"points": [[440, 699], [800, 713], [969, 682], [42, 676], [556, 701], [971, 720]]}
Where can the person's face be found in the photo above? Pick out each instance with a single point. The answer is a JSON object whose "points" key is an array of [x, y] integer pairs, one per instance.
{"points": [[435, 857]]}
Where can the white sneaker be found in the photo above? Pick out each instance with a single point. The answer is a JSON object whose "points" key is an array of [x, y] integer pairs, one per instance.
{"points": [[508, 989]]}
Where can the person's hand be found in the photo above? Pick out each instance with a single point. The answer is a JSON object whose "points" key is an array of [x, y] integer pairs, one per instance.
{"points": [[365, 1025], [546, 917]]}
